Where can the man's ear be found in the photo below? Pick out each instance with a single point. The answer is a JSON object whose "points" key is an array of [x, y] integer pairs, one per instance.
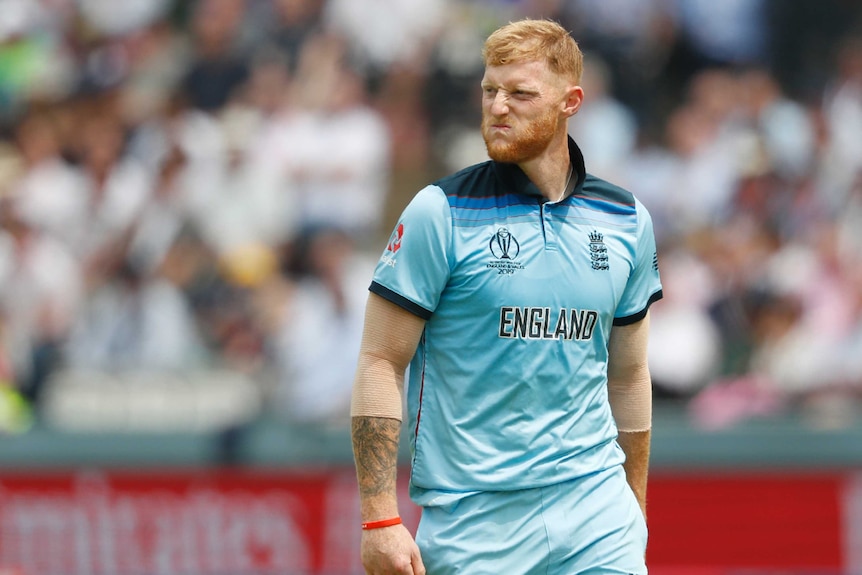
{"points": [[573, 101]]}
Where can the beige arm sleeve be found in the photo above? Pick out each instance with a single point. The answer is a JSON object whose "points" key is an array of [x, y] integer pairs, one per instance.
{"points": [[389, 341], [629, 384]]}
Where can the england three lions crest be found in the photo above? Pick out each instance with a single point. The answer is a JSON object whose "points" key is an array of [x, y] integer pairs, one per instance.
{"points": [[598, 251]]}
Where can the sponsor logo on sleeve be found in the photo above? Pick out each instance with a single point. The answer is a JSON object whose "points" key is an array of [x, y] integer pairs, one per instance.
{"points": [[393, 246]]}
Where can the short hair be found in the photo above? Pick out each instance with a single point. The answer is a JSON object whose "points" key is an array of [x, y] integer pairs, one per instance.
{"points": [[527, 40]]}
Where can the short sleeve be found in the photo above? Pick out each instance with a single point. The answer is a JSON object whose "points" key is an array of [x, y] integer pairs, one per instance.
{"points": [[644, 285], [415, 265]]}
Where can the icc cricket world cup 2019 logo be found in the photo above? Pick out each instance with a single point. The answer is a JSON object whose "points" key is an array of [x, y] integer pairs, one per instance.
{"points": [[504, 246], [505, 249]]}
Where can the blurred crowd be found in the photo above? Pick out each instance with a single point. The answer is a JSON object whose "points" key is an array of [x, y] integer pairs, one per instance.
{"points": [[189, 184]]}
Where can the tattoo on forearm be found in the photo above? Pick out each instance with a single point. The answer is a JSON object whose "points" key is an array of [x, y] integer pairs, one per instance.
{"points": [[375, 449]]}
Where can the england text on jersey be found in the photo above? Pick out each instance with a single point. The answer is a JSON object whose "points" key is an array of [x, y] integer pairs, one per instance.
{"points": [[543, 323]]}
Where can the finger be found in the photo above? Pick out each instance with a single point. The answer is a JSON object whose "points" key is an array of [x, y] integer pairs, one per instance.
{"points": [[418, 565]]}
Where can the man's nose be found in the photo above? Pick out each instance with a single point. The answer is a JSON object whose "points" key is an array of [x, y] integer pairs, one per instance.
{"points": [[500, 105]]}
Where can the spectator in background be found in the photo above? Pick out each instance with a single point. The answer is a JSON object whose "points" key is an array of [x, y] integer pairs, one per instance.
{"points": [[164, 217], [633, 37], [108, 19], [842, 109], [50, 193], [688, 177], [41, 290], [118, 190], [703, 139], [816, 305], [849, 251], [158, 57], [218, 67], [685, 347], [783, 128], [288, 25], [802, 39], [16, 415], [382, 34], [250, 196], [317, 339], [249, 200], [35, 63], [455, 69], [848, 229], [229, 309], [605, 128], [727, 33], [135, 321], [178, 128], [340, 171]]}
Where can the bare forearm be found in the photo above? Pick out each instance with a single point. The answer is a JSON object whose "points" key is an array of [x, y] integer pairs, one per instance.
{"points": [[375, 450], [636, 445]]}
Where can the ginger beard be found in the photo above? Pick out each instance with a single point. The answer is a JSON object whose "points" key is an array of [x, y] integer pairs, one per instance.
{"points": [[521, 147]]}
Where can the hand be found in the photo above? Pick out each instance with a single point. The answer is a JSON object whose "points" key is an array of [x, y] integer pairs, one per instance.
{"points": [[390, 551]]}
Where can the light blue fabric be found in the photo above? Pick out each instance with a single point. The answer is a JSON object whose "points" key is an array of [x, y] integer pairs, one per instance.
{"points": [[587, 526]]}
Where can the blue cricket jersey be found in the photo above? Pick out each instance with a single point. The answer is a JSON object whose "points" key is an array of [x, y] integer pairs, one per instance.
{"points": [[508, 386]]}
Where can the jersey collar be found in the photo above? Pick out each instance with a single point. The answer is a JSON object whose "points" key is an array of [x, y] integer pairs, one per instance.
{"points": [[514, 180]]}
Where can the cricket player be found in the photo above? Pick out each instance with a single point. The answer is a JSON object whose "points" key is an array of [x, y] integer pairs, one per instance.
{"points": [[516, 292]]}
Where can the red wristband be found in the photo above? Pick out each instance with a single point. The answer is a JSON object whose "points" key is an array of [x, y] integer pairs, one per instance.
{"points": [[382, 523]]}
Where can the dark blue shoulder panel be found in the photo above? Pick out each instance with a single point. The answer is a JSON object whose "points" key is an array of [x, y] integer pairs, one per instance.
{"points": [[596, 188], [476, 181]]}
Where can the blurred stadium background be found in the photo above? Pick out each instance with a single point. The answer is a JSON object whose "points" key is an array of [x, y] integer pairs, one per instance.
{"points": [[192, 197]]}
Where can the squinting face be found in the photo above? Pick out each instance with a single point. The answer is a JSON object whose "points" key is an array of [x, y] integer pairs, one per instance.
{"points": [[521, 110]]}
